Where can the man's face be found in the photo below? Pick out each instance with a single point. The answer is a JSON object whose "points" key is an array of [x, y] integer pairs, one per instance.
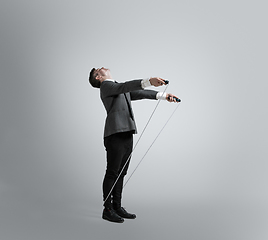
{"points": [[102, 73]]}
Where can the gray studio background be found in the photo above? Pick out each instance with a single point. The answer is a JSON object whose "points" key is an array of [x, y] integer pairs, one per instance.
{"points": [[206, 175]]}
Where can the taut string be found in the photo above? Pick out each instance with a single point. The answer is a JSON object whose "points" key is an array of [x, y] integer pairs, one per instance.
{"points": [[151, 145], [137, 144]]}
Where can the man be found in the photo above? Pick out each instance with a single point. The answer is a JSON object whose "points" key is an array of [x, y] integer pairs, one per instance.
{"points": [[118, 132]]}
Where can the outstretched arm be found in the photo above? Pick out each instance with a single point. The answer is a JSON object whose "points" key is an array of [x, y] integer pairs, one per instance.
{"points": [[111, 88]]}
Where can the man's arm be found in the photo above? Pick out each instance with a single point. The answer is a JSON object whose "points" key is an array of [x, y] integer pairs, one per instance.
{"points": [[143, 94], [151, 94], [110, 88]]}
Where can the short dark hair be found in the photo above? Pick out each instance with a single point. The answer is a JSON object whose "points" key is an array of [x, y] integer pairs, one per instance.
{"points": [[92, 79]]}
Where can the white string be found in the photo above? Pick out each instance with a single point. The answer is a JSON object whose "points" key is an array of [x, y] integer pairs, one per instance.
{"points": [[135, 146]]}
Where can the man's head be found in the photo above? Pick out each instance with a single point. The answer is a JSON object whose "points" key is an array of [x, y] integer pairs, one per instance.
{"points": [[97, 76]]}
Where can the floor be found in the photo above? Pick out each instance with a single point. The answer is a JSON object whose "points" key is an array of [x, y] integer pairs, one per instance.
{"points": [[24, 217]]}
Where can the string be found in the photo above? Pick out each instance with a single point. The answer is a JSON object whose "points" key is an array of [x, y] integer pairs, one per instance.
{"points": [[135, 146], [151, 145]]}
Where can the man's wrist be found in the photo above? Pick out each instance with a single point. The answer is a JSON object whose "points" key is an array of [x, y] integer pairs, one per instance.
{"points": [[145, 83], [161, 96]]}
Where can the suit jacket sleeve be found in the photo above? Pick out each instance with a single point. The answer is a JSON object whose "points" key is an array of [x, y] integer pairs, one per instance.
{"points": [[109, 88], [143, 94]]}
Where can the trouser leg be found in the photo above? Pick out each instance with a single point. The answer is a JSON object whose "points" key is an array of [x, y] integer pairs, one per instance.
{"points": [[118, 147]]}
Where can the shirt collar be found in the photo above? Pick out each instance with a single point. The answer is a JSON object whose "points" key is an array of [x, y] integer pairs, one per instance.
{"points": [[109, 80]]}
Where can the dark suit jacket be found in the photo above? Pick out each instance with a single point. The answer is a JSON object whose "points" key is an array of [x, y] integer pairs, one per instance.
{"points": [[116, 98]]}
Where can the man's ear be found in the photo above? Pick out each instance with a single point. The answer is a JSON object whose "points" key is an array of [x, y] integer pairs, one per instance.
{"points": [[98, 77]]}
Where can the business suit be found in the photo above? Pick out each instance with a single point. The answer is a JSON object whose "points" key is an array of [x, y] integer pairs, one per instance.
{"points": [[118, 132]]}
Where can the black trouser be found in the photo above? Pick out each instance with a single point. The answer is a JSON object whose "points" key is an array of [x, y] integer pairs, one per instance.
{"points": [[118, 147]]}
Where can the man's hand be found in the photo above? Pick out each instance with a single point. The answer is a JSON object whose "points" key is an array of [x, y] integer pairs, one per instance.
{"points": [[155, 81], [171, 98]]}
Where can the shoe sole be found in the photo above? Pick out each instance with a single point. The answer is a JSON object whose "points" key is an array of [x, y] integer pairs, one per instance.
{"points": [[127, 217], [119, 221]]}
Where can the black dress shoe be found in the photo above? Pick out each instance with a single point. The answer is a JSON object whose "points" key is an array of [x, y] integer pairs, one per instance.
{"points": [[110, 215], [124, 214]]}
